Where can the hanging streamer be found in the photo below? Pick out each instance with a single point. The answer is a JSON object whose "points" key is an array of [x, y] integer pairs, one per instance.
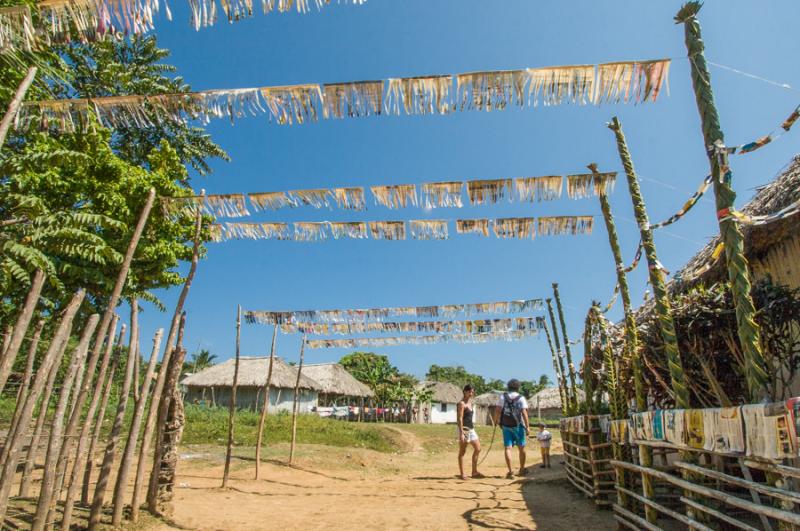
{"points": [[558, 225], [522, 228], [687, 205], [350, 198], [544, 188], [395, 196], [226, 205], [378, 314], [298, 104], [419, 95], [316, 198], [583, 185], [473, 226], [515, 335], [348, 229], [16, 28], [307, 231], [256, 231], [740, 217], [444, 194], [767, 139], [488, 191], [387, 230], [428, 229], [478, 326], [270, 200]]}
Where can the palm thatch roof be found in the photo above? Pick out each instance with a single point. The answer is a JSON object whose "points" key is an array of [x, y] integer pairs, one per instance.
{"points": [[252, 373], [770, 198], [487, 399], [335, 380], [550, 398], [443, 392]]}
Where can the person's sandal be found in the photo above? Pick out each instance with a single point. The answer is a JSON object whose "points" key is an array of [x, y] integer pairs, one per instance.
{"points": [[510, 475], [523, 472], [478, 475]]}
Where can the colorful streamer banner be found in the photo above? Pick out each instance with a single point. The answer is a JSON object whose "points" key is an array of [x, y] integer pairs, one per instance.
{"points": [[627, 82], [379, 314], [584, 185], [742, 218], [423, 229], [516, 335], [767, 139], [480, 326], [219, 205]]}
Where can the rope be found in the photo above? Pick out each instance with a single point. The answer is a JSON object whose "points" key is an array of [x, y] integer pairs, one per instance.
{"points": [[491, 443]]}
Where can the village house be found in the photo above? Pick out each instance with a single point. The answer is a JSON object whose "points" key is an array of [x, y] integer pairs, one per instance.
{"points": [[443, 404], [212, 386]]}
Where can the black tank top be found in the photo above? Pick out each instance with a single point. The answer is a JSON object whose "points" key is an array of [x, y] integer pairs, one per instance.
{"points": [[468, 417]]}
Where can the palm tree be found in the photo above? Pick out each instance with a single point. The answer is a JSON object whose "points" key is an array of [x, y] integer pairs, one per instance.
{"points": [[544, 381], [202, 359]]}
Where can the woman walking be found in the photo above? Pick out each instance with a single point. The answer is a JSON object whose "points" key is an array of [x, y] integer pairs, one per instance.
{"points": [[466, 433]]}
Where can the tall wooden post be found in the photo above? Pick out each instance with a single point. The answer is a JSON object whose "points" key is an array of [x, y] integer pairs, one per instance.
{"points": [[565, 337], [20, 328], [562, 392], [232, 406], [296, 404], [16, 103], [568, 402], [265, 408], [33, 347], [755, 368]]}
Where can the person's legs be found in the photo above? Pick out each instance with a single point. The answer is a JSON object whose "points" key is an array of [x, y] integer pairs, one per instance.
{"points": [[476, 452], [547, 455], [544, 457], [462, 449], [521, 444], [508, 443]]}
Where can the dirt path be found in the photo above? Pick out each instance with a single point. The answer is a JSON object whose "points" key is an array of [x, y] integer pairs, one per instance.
{"points": [[334, 488]]}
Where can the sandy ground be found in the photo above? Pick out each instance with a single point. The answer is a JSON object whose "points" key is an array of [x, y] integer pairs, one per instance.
{"points": [[345, 488]]}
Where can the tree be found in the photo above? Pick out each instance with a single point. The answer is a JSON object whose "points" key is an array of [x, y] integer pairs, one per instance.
{"points": [[373, 370], [544, 381], [202, 359], [457, 375]]}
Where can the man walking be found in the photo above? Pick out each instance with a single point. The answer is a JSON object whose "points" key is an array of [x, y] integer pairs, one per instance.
{"points": [[512, 414]]}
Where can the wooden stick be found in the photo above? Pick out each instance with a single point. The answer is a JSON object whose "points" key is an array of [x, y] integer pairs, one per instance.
{"points": [[713, 512], [13, 444], [265, 408], [644, 524], [296, 405], [113, 437], [786, 471], [784, 495], [133, 345], [32, 348], [16, 102], [753, 493], [57, 429], [6, 339], [232, 405], [104, 324], [20, 327], [101, 417], [664, 510], [152, 414], [133, 434]]}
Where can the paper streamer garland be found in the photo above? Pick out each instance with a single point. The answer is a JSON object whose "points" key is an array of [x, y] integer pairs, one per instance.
{"points": [[378, 314], [516, 335], [478, 326], [767, 139], [584, 185], [628, 82]]}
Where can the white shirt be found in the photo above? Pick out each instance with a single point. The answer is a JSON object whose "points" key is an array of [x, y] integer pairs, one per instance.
{"points": [[521, 403]]}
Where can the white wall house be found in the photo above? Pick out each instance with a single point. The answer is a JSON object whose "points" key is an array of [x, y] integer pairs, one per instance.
{"points": [[443, 407]]}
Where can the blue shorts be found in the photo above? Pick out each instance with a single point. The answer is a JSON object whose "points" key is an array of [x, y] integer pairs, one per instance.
{"points": [[514, 436]]}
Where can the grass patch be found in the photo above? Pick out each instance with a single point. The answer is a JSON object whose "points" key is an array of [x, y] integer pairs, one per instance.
{"points": [[209, 425]]}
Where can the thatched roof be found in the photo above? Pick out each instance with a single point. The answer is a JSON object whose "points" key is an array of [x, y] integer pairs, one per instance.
{"points": [[550, 398], [487, 399], [770, 198], [252, 373], [335, 380], [443, 392]]}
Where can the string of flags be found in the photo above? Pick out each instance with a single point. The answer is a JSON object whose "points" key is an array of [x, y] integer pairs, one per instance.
{"points": [[619, 82], [430, 195], [479, 326], [769, 138], [423, 229], [379, 314], [516, 335]]}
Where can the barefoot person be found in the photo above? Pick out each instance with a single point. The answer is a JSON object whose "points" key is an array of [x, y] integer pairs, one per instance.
{"points": [[544, 437], [512, 414], [466, 433]]}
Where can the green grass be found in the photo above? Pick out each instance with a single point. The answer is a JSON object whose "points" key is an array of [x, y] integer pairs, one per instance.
{"points": [[207, 425]]}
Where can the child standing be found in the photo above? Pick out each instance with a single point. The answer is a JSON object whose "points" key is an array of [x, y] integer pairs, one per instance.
{"points": [[544, 437]]}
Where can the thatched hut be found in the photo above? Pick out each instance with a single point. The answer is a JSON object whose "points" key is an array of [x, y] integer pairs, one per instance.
{"points": [[212, 386], [485, 406], [337, 386], [443, 404], [546, 404]]}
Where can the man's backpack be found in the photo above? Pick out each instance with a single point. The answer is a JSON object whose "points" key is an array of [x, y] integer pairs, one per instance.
{"points": [[510, 414]]}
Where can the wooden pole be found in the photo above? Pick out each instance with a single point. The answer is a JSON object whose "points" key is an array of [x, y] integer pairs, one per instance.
{"points": [[232, 405], [101, 417], [21, 328], [559, 375], [265, 408], [113, 437], [152, 414], [296, 404], [6, 339], [167, 394], [16, 103], [133, 434], [755, 369], [133, 345], [14, 442], [562, 369], [102, 331], [57, 429], [570, 365], [32, 348]]}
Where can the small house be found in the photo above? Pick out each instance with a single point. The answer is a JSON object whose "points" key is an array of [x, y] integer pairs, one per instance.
{"points": [[485, 406], [443, 404], [337, 387], [212, 385], [546, 404]]}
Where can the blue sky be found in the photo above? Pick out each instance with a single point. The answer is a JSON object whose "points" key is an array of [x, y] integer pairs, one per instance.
{"points": [[396, 38]]}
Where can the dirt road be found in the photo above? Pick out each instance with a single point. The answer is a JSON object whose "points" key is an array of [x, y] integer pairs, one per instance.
{"points": [[333, 488]]}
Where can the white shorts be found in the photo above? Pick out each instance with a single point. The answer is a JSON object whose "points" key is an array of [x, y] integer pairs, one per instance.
{"points": [[471, 434]]}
